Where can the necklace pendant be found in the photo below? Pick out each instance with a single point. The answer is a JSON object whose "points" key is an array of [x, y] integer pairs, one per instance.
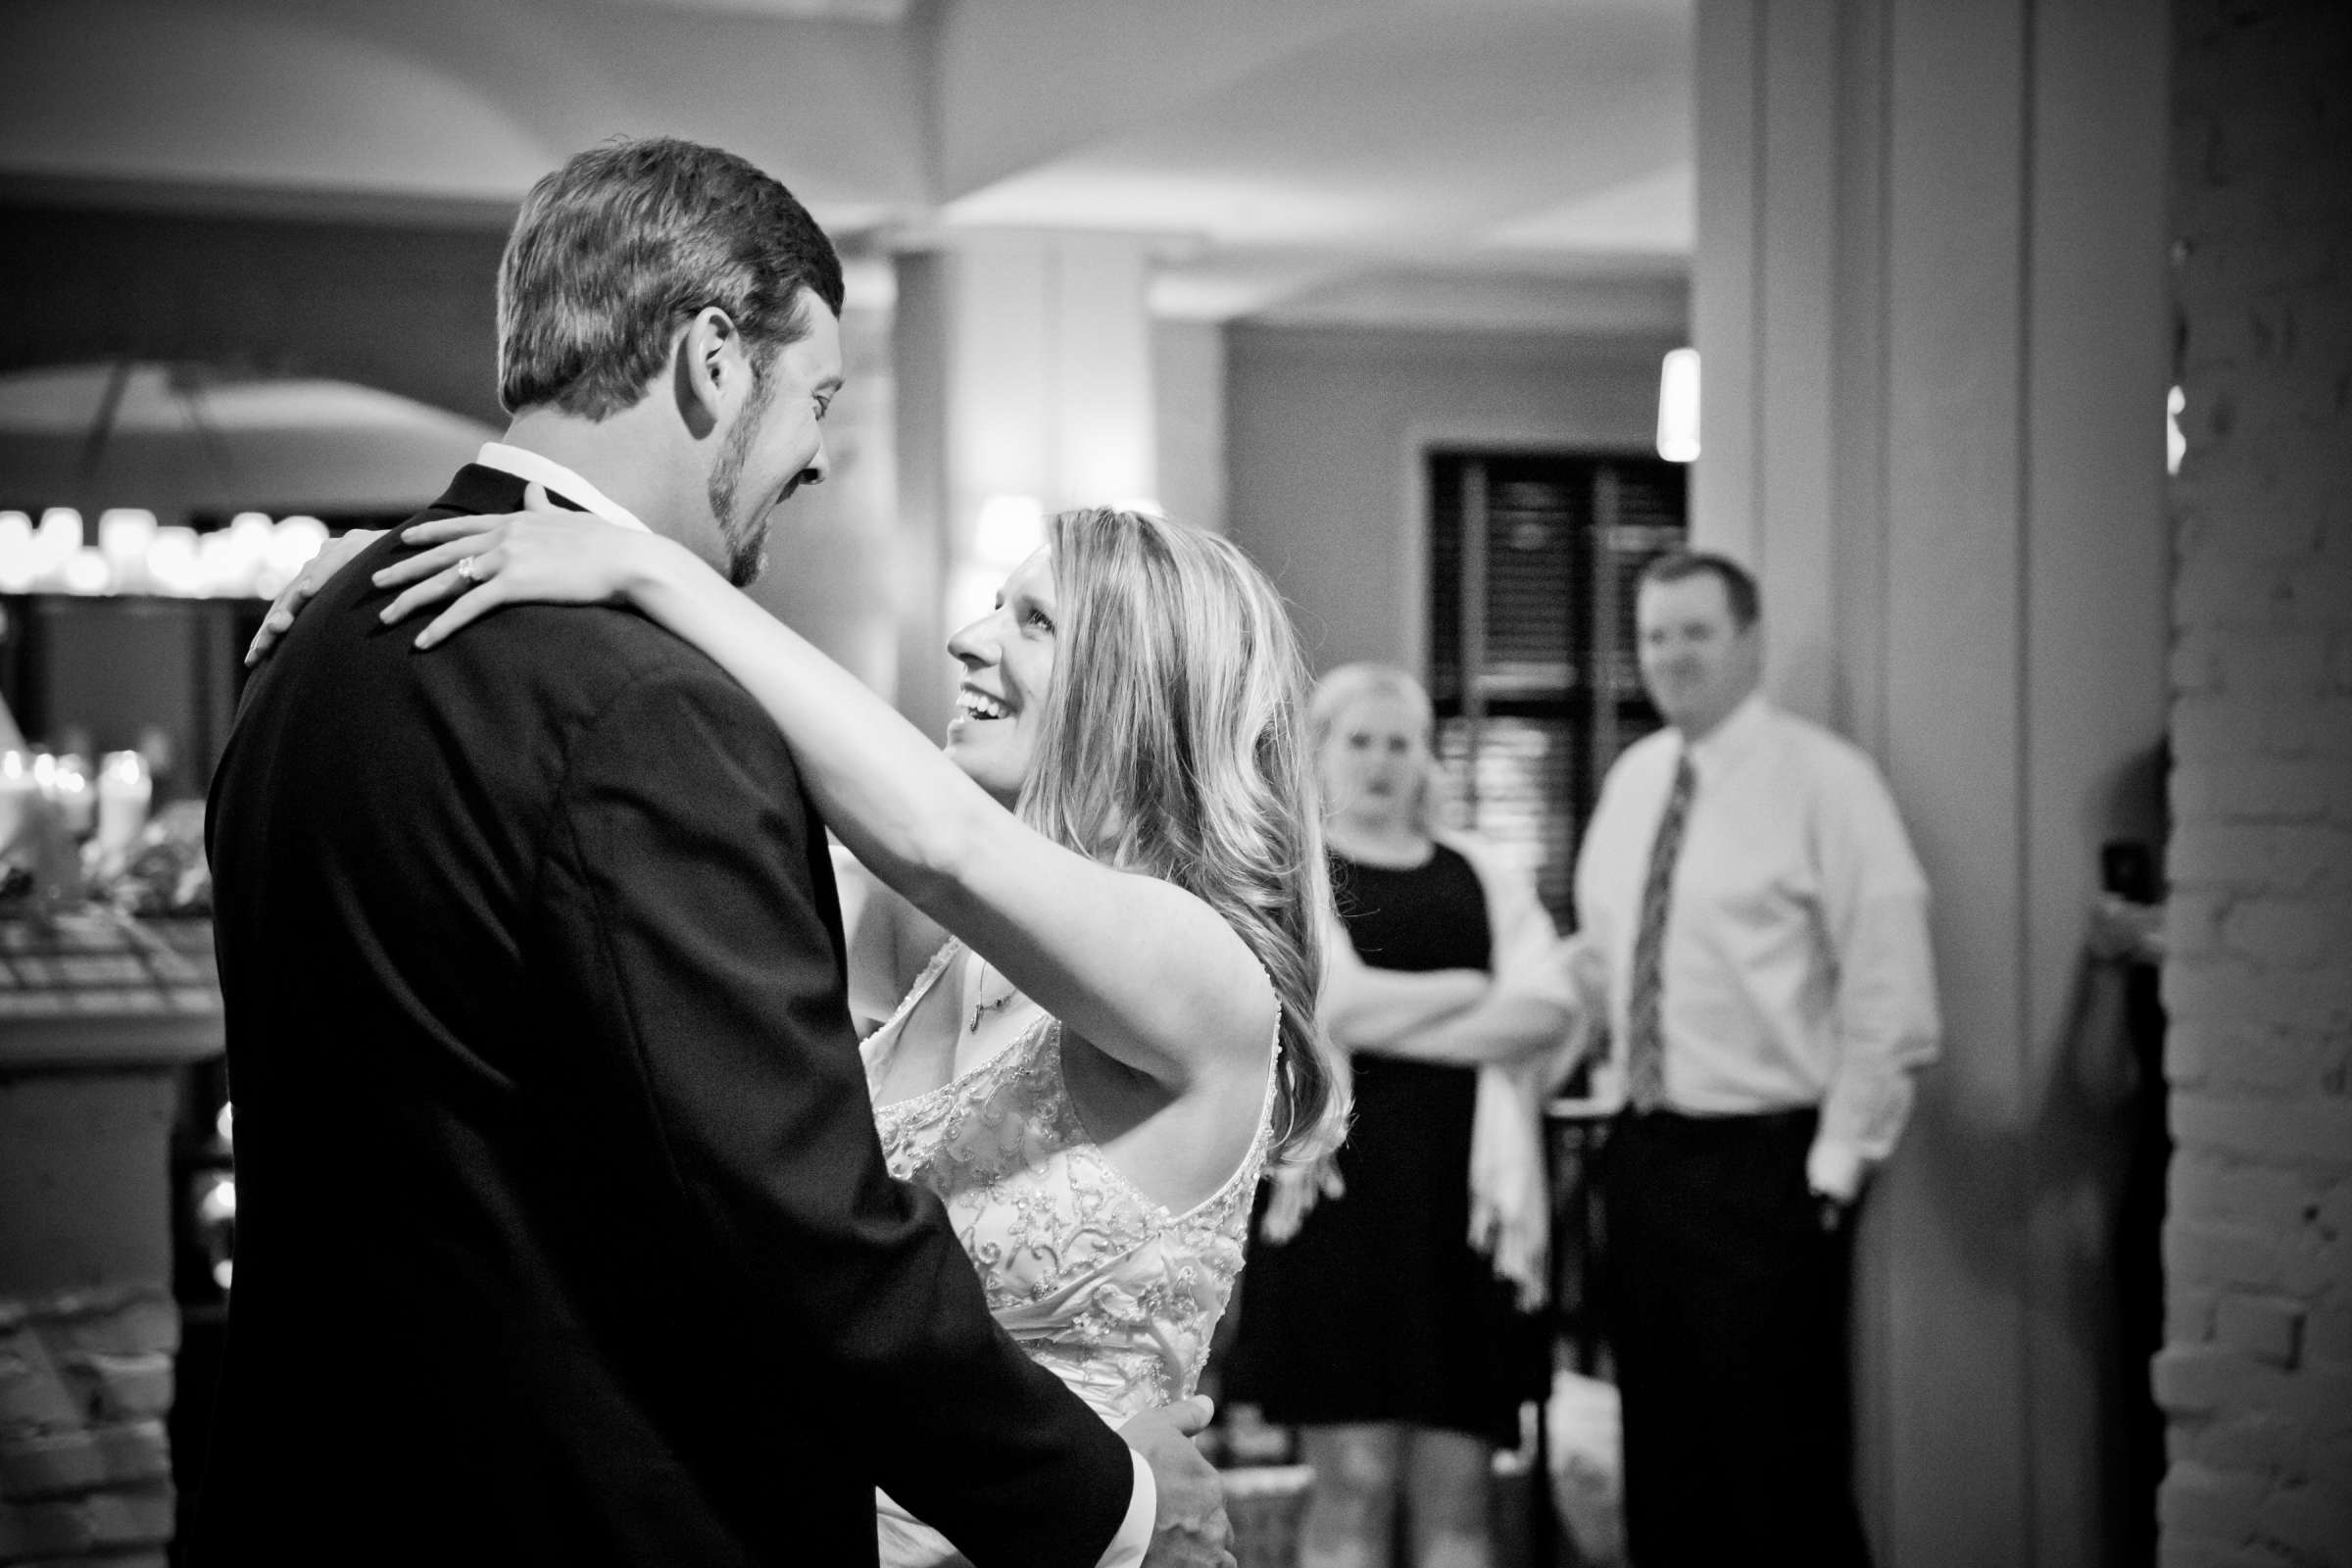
{"points": [[983, 1006]]}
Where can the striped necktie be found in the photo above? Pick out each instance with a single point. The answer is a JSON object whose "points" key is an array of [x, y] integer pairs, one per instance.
{"points": [[1645, 1044]]}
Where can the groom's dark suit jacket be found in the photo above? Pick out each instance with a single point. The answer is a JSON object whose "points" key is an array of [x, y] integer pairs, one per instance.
{"points": [[563, 1231]]}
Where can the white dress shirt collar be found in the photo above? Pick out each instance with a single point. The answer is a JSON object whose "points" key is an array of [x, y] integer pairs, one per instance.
{"points": [[1723, 745], [530, 465]]}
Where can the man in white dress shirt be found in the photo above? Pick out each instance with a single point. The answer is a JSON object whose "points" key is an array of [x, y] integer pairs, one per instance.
{"points": [[1763, 926]]}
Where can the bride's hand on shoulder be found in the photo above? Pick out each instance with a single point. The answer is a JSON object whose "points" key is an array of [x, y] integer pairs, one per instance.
{"points": [[333, 558], [543, 554]]}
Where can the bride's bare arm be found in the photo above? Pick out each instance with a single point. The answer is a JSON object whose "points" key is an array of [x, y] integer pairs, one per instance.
{"points": [[1139, 967]]}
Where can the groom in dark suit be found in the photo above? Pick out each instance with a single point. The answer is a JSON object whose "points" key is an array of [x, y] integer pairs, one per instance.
{"points": [[565, 1233]]}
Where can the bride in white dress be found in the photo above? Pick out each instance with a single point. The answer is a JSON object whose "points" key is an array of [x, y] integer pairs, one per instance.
{"points": [[1094, 1072]]}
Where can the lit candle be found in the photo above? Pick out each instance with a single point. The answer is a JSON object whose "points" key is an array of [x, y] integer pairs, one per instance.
{"points": [[19, 556], [249, 534], [56, 540], [17, 790], [70, 787], [174, 565], [292, 544], [123, 790], [124, 534], [221, 564], [85, 572]]}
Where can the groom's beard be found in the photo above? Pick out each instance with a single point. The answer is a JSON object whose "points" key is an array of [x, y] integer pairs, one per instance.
{"points": [[745, 538]]}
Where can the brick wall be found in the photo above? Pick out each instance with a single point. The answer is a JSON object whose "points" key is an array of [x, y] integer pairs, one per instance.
{"points": [[85, 1470], [89, 1327], [2256, 1374]]}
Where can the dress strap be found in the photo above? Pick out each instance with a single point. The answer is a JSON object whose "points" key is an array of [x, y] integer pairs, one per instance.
{"points": [[887, 1033], [1266, 1107]]}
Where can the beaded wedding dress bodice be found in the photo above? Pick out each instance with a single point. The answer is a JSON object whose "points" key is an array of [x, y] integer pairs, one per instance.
{"points": [[1110, 1291]]}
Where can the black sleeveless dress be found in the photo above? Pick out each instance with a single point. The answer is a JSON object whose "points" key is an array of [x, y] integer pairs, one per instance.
{"points": [[1379, 1310]]}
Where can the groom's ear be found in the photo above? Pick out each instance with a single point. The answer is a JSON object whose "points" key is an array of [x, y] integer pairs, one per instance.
{"points": [[710, 371]]}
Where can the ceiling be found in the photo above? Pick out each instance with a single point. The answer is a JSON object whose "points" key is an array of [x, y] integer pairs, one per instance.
{"points": [[1506, 164], [1526, 152]]}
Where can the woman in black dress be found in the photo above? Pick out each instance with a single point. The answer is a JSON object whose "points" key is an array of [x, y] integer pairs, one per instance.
{"points": [[1373, 1323]]}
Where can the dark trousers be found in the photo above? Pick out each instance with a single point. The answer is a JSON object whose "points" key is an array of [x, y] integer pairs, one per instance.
{"points": [[1728, 1315]]}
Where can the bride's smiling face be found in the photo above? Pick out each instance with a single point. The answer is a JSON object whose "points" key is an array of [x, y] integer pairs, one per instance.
{"points": [[1008, 659]]}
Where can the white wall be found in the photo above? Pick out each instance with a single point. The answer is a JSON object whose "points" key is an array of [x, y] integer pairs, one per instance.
{"points": [[1188, 405], [1325, 430]]}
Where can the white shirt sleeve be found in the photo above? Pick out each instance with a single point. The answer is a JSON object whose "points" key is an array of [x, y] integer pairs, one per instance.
{"points": [[1127, 1547], [1875, 900]]}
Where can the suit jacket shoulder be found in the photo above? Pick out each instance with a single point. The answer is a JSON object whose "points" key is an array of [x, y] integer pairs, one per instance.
{"points": [[547, 1092]]}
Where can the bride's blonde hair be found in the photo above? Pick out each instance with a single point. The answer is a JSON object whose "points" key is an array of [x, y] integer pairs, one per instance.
{"points": [[1174, 744]]}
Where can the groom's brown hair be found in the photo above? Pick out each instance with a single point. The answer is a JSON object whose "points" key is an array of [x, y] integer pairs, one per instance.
{"points": [[615, 250]]}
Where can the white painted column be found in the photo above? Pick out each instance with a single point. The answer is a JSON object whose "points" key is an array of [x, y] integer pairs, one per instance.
{"points": [[1024, 373], [1929, 295]]}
